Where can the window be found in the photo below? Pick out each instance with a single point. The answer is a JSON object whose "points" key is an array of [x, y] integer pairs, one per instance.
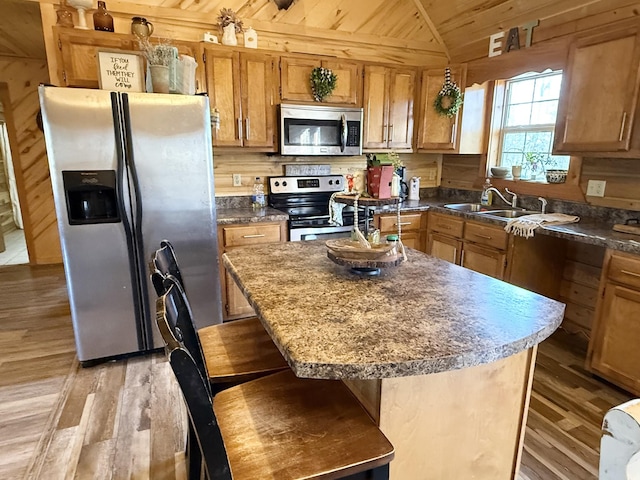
{"points": [[528, 122]]}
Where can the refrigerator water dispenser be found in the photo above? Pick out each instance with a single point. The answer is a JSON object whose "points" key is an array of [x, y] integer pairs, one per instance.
{"points": [[91, 196]]}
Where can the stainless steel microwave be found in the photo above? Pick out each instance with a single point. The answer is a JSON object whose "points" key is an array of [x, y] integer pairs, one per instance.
{"points": [[320, 130]]}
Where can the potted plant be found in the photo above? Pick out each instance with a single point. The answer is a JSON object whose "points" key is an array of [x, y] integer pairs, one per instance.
{"points": [[159, 58], [229, 24], [534, 164]]}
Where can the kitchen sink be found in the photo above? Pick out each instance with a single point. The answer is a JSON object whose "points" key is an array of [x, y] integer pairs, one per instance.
{"points": [[508, 213], [470, 207]]}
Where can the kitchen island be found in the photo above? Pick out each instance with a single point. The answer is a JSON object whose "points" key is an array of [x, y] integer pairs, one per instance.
{"points": [[442, 357]]}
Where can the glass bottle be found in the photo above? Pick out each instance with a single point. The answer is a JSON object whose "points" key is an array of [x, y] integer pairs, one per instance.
{"points": [[102, 20], [64, 15]]}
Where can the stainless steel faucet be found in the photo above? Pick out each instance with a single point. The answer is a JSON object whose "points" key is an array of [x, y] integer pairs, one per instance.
{"points": [[513, 201], [544, 204]]}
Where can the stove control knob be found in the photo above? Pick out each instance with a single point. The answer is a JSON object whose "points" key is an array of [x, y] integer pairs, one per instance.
{"points": [[277, 184], [337, 181], [330, 182], [284, 184]]}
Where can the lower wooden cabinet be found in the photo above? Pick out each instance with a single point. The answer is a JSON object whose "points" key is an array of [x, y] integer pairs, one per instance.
{"points": [[413, 228], [613, 349], [234, 304], [479, 247]]}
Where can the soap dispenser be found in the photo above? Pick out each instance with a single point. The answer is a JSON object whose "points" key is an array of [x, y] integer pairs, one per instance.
{"points": [[487, 195]]}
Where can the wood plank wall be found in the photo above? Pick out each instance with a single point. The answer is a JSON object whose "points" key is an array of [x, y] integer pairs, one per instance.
{"points": [[579, 287], [22, 77], [250, 166]]}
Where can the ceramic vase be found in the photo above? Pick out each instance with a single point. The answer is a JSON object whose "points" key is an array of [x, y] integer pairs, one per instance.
{"points": [[160, 78], [516, 171], [229, 35]]}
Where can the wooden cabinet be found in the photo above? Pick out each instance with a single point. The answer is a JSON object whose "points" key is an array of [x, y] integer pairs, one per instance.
{"points": [[437, 132], [388, 108], [444, 237], [242, 86], [601, 80], [464, 133], [477, 246], [484, 249], [77, 63], [295, 74], [237, 235], [413, 227], [613, 349]]}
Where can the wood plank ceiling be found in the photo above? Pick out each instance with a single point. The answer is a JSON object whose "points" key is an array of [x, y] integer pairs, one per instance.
{"points": [[458, 29]]}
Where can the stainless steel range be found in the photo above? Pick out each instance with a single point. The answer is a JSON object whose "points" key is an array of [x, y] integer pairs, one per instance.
{"points": [[306, 200]]}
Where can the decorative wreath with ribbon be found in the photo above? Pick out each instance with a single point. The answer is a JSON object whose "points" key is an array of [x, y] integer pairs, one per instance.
{"points": [[449, 99], [323, 81]]}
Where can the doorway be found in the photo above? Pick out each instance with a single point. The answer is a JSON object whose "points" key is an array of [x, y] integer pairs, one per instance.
{"points": [[13, 247]]}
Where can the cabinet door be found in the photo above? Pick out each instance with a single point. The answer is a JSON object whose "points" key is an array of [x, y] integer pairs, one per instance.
{"points": [[237, 305], [484, 260], [258, 84], [376, 107], [437, 132], [295, 74], [444, 247], [601, 79], [401, 95], [223, 85], [412, 240], [77, 63], [349, 84], [614, 348]]}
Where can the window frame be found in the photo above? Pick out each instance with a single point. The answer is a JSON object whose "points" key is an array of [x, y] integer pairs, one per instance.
{"points": [[570, 190]]}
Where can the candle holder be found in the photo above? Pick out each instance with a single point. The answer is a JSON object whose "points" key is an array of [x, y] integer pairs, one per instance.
{"points": [[81, 6]]}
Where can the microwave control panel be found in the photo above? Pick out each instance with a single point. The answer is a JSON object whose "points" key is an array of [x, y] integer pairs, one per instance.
{"points": [[353, 134]]}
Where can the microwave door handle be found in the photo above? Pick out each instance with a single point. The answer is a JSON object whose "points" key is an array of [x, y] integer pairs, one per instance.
{"points": [[343, 135]]}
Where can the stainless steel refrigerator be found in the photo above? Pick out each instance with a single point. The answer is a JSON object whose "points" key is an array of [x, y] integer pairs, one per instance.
{"points": [[129, 170]]}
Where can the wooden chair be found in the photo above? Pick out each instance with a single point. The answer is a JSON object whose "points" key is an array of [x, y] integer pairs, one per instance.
{"points": [[233, 352], [275, 427]]}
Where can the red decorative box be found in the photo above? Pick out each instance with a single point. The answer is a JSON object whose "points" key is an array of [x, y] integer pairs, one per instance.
{"points": [[379, 181]]}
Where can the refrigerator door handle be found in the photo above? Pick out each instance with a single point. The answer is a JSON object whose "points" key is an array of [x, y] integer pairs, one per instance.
{"points": [[120, 105]]}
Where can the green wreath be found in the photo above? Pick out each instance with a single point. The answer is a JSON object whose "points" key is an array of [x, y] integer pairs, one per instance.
{"points": [[323, 81], [449, 99]]}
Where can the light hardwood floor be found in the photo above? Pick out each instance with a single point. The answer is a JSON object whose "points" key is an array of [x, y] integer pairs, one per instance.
{"points": [[125, 419]]}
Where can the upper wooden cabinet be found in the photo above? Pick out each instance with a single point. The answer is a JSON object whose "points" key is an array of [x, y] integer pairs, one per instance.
{"points": [[77, 63], [598, 110], [295, 75], [463, 133], [243, 87], [388, 108]]}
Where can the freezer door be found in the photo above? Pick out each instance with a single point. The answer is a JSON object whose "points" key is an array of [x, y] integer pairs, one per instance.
{"points": [[172, 161], [80, 136]]}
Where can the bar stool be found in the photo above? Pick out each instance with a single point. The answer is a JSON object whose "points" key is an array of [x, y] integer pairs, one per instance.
{"points": [[275, 427]]}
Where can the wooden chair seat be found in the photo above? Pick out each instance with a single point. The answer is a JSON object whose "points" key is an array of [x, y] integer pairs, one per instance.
{"points": [[283, 427], [238, 351]]}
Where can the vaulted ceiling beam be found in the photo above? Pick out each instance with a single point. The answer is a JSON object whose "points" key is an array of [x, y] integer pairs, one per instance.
{"points": [[432, 27]]}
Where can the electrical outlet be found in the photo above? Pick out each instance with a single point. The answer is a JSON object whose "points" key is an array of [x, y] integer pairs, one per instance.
{"points": [[237, 180], [595, 188]]}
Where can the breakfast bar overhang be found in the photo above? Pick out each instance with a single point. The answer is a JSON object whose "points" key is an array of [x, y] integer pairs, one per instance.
{"points": [[442, 357]]}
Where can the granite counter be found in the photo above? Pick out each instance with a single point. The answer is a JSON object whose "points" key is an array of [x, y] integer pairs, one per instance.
{"points": [[442, 357], [228, 216]]}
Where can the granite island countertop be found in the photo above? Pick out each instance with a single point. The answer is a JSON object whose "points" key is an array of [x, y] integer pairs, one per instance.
{"points": [[227, 216], [425, 316]]}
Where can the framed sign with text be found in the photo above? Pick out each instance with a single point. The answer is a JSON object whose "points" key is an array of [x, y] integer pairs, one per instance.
{"points": [[120, 71]]}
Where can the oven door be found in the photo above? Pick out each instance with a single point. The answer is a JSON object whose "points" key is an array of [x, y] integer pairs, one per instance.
{"points": [[319, 233]]}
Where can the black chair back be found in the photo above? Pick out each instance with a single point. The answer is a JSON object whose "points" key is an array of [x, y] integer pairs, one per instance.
{"points": [[201, 414], [175, 322], [165, 263]]}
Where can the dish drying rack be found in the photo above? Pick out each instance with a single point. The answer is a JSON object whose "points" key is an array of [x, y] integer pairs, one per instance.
{"points": [[360, 255]]}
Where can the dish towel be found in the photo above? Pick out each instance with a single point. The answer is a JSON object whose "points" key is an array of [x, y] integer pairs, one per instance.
{"points": [[526, 225]]}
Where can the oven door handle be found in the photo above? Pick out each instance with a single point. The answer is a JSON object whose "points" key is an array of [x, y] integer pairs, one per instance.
{"points": [[343, 135]]}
